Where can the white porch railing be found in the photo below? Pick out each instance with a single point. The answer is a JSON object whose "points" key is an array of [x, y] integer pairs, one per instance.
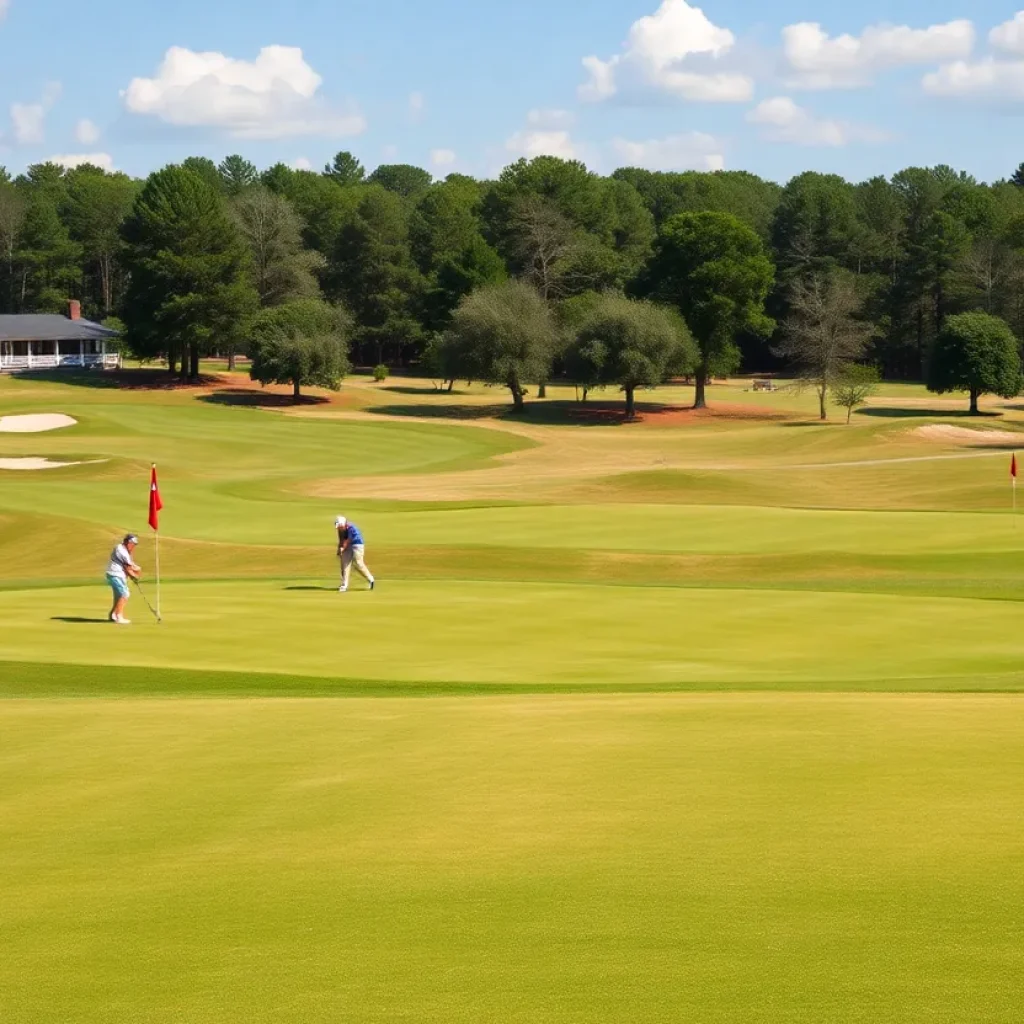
{"points": [[106, 360]]}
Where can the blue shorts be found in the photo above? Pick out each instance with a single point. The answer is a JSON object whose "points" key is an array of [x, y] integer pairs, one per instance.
{"points": [[118, 586]]}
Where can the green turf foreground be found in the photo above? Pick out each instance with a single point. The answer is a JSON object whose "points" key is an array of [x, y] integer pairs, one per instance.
{"points": [[713, 858]]}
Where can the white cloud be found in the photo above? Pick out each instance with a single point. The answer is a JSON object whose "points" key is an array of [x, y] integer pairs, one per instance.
{"points": [[655, 56], [531, 144], [782, 120], [29, 119], [104, 160], [273, 97], [302, 163], [87, 133], [4, 5], [692, 151], [442, 158], [1009, 37], [417, 105], [822, 62], [989, 79]]}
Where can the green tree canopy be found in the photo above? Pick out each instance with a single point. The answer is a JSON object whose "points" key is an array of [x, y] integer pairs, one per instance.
{"points": [[715, 271], [237, 174], [402, 179], [190, 288], [977, 353], [503, 334], [302, 343], [631, 343]]}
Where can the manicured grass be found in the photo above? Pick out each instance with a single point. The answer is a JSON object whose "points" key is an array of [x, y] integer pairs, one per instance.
{"points": [[548, 635], [659, 858], [643, 722]]}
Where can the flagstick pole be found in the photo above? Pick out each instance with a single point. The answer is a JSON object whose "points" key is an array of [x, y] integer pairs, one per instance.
{"points": [[158, 574]]}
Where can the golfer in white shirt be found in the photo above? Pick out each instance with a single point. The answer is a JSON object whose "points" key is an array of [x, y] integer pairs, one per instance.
{"points": [[121, 566]]}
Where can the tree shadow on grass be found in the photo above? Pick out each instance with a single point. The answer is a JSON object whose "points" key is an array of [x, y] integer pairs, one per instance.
{"points": [[79, 621], [317, 589], [424, 389], [551, 413], [120, 380], [901, 413], [255, 398]]}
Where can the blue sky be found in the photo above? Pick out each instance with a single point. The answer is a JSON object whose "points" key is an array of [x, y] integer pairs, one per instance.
{"points": [[859, 89]]}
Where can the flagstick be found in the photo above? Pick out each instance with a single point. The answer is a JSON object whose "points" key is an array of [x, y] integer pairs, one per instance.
{"points": [[158, 575]]}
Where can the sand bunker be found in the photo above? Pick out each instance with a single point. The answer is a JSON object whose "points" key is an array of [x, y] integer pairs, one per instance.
{"points": [[947, 432], [34, 463], [34, 424]]}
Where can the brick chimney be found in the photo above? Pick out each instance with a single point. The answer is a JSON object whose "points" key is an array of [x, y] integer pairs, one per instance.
{"points": [[74, 309]]}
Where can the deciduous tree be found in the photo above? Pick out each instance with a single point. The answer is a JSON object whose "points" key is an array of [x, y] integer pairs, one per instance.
{"points": [[977, 353]]}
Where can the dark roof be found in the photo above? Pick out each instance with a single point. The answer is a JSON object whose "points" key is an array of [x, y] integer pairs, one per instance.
{"points": [[49, 327]]}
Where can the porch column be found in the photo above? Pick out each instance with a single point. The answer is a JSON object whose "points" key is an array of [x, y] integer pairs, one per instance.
{"points": [[29, 357], [81, 353]]}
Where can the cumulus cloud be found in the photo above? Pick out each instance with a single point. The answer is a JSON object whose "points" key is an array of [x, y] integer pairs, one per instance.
{"points": [[417, 105], [819, 61], [272, 97], [996, 80], [783, 120], [1009, 37], [442, 159], [302, 163], [531, 144], [29, 119], [72, 160], [86, 132], [546, 134], [990, 80], [659, 54], [691, 151]]}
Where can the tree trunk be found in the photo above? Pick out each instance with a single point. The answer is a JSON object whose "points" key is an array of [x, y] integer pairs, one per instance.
{"points": [[822, 394], [193, 363], [700, 399], [296, 392], [849, 414], [974, 402], [517, 395], [542, 391], [630, 402], [231, 359], [451, 386], [172, 361]]}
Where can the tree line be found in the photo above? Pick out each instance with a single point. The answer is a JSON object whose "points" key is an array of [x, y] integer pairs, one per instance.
{"points": [[549, 272]]}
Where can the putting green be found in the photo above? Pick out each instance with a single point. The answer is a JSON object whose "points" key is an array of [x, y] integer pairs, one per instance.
{"points": [[541, 635], [786, 859]]}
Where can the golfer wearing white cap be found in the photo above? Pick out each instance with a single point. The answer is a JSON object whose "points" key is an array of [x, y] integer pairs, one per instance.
{"points": [[351, 548], [121, 566]]}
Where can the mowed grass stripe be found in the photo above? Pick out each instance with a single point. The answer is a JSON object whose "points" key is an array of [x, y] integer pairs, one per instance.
{"points": [[551, 635]]}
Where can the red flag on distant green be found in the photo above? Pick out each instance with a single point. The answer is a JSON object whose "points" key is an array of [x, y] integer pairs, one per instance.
{"points": [[1013, 466], [155, 504]]}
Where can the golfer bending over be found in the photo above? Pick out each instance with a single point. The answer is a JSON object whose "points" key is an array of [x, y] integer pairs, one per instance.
{"points": [[121, 566], [350, 549]]}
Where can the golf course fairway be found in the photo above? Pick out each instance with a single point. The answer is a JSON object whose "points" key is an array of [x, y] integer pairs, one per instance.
{"points": [[711, 719]]}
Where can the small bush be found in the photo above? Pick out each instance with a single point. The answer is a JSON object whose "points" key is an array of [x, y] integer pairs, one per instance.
{"points": [[380, 373]]}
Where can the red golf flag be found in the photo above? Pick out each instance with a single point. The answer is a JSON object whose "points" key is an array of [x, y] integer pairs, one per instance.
{"points": [[155, 504], [1013, 466]]}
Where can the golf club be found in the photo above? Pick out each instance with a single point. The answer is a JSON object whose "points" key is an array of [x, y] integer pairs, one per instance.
{"points": [[146, 599]]}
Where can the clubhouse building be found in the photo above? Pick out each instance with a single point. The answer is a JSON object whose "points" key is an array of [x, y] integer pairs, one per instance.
{"points": [[49, 341]]}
